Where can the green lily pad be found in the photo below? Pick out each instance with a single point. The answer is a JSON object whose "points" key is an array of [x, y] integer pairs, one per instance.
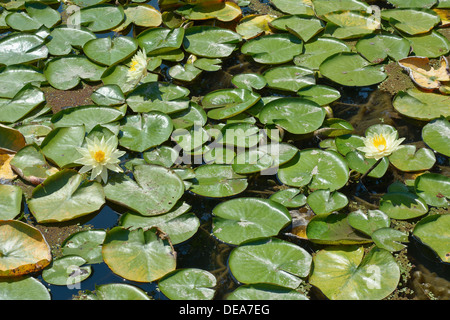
{"points": [[158, 96], [347, 24], [179, 224], [435, 134], [28, 288], [161, 40], [14, 78], [358, 162], [324, 201], [20, 48], [86, 244], [189, 140], [23, 249], [376, 48], [390, 239], [318, 50], [249, 81], [155, 191], [188, 284], [226, 103], [407, 158], [345, 273], [30, 164], [194, 115], [59, 146], [319, 169], [163, 156], [350, 69], [421, 105], [289, 78], [107, 51], [65, 38], [187, 72], [97, 18], [323, 7], [431, 44], [144, 131], [11, 140], [66, 72], [295, 115], [295, 6], [25, 101], [222, 11], [411, 20], [138, 255], [66, 271], [335, 229], [270, 261], [433, 232], [108, 95], [434, 188], [403, 205], [320, 94], [207, 64], [264, 292], [273, 49], [64, 196], [10, 201], [210, 42], [301, 26], [290, 198], [217, 181], [413, 3], [142, 15], [348, 142], [35, 16], [368, 222], [120, 291], [239, 220]]}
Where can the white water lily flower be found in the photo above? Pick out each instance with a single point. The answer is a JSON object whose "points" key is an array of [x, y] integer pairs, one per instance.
{"points": [[99, 156], [379, 145], [138, 67]]}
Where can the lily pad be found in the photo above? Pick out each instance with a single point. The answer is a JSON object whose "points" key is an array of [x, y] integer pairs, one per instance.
{"points": [[295, 115], [350, 69], [411, 20], [420, 105], [320, 94], [101, 17], [25, 101], [188, 284], [323, 7], [264, 292], [413, 3], [210, 42], [222, 11], [155, 191], [107, 51], [108, 95], [65, 38], [36, 15], [161, 40], [86, 244], [66, 72], [347, 24], [433, 232], [142, 15], [324, 201], [270, 261], [23, 249], [10, 201], [226, 103], [345, 273], [253, 25], [434, 188], [319, 169], [28, 288], [217, 181], [431, 44], [435, 134], [163, 156], [66, 271], [144, 131], [273, 49], [20, 48], [304, 27], [120, 291], [403, 205], [376, 48], [407, 158], [249, 81], [295, 6], [64, 196], [239, 220], [368, 222], [11, 140], [14, 78], [358, 162], [289, 78], [390, 239], [290, 198]]}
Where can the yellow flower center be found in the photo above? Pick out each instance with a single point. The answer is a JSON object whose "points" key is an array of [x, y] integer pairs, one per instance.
{"points": [[99, 156], [379, 142], [134, 63]]}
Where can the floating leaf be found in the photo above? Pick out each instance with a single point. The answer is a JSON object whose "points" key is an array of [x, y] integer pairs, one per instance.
{"points": [[403, 205], [358, 162], [25, 101], [431, 45], [20, 48], [10, 201], [35, 16], [98, 18], [14, 78], [249, 81], [421, 105], [323, 7], [65, 38], [210, 42], [368, 222], [107, 51], [413, 3], [295, 115], [161, 40], [270, 261], [350, 24], [295, 6], [188, 284], [435, 134], [28, 288], [320, 94], [66, 271], [64, 196], [226, 103], [350, 69], [254, 25], [144, 131], [303, 27], [86, 244], [434, 188], [239, 220], [433, 232], [324, 201], [411, 21], [289, 78], [290, 198], [217, 181], [23, 249], [264, 292], [389, 239], [345, 273], [108, 95], [319, 169], [273, 49], [11, 140], [408, 158], [376, 48], [120, 291], [138, 255], [143, 15], [155, 191], [222, 11]]}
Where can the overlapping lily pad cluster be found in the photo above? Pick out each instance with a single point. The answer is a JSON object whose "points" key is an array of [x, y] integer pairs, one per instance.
{"points": [[136, 145]]}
